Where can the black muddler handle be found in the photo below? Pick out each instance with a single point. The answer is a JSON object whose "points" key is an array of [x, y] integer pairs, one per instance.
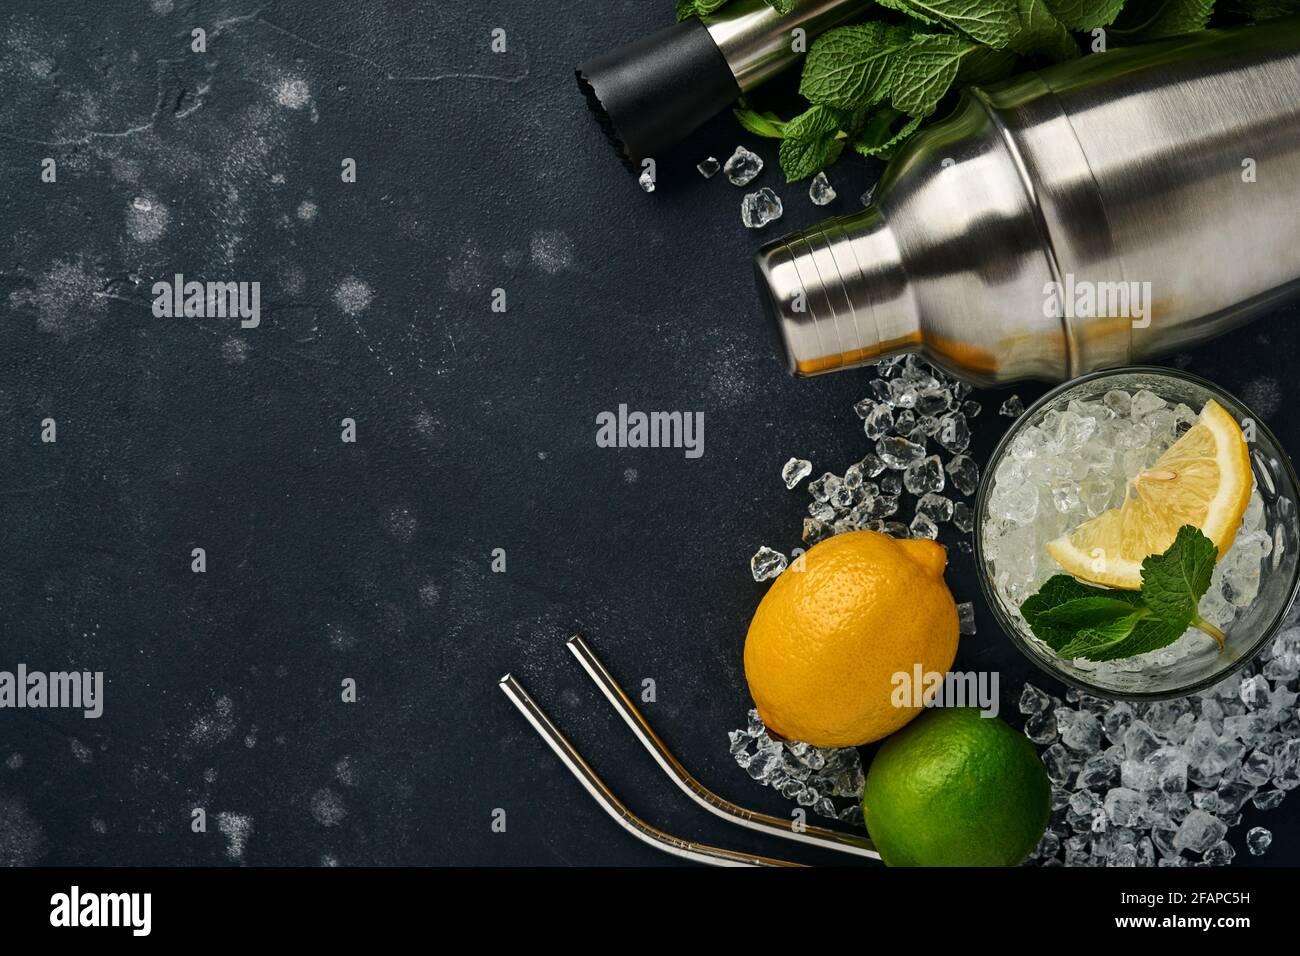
{"points": [[654, 92]]}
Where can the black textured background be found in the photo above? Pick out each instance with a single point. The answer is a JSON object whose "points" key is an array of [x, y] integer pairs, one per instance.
{"points": [[371, 561]]}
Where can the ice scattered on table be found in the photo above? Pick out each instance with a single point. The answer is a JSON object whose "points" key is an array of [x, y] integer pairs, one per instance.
{"points": [[869, 196], [908, 484], [966, 617], [1013, 407], [760, 208], [767, 564], [647, 181], [743, 167], [709, 168], [1166, 783], [820, 190], [795, 471], [829, 782], [1071, 464]]}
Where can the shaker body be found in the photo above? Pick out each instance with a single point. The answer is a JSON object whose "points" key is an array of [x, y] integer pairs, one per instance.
{"points": [[1157, 186]]}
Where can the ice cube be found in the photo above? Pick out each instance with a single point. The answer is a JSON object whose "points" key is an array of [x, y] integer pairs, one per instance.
{"points": [[963, 519], [1118, 401], [1258, 840], [923, 475], [825, 486], [1013, 407], [1033, 700], [795, 471], [820, 191], [760, 208], [742, 167], [935, 507], [1145, 402], [709, 167], [1268, 799], [1124, 807], [767, 564], [923, 527], [878, 422], [954, 433], [898, 453], [966, 618], [1040, 727], [1080, 730], [965, 474], [1199, 831], [647, 181]]}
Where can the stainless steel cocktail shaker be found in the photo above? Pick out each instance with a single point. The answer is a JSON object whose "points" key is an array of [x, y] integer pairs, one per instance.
{"points": [[1090, 215]]}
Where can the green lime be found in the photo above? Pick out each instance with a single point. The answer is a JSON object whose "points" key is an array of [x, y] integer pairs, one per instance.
{"points": [[953, 788]]}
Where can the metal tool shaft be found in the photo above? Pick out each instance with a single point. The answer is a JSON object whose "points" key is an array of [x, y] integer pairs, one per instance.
{"points": [[764, 823], [591, 782]]}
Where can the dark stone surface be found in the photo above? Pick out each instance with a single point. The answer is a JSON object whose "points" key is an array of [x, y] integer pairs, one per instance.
{"points": [[371, 561]]}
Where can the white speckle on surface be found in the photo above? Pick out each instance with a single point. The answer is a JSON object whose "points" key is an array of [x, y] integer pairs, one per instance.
{"points": [[344, 772], [294, 280], [98, 825], [307, 210], [339, 637], [1263, 395], [234, 350], [429, 594], [67, 298], [329, 859], [401, 524], [292, 94], [22, 841], [210, 775], [214, 726], [551, 251], [630, 476], [327, 807], [146, 218], [353, 296], [80, 751], [235, 827], [465, 271], [161, 7]]}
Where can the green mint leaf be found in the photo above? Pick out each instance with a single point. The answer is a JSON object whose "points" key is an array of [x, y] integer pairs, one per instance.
{"points": [[1058, 590], [991, 22], [924, 70], [1084, 15], [851, 67], [697, 8], [1173, 583], [1096, 643], [1098, 611], [883, 131], [1148, 634], [801, 158], [812, 142], [1042, 33], [761, 124]]}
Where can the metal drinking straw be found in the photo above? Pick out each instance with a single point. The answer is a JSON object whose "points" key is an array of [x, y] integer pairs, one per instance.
{"points": [[569, 756], [776, 826]]}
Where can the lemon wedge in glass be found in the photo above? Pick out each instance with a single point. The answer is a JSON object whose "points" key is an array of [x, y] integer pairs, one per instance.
{"points": [[1204, 479]]}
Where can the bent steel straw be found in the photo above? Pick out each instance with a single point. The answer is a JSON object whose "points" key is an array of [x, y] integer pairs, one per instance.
{"points": [[762, 822], [569, 756]]}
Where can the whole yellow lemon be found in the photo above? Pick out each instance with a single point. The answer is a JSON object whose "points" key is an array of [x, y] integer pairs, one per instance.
{"points": [[829, 637]]}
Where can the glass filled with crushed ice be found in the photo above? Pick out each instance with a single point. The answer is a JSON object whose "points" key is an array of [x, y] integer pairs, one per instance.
{"points": [[1076, 454]]}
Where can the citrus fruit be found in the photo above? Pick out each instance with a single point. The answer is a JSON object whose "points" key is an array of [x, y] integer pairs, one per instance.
{"points": [[834, 629], [1204, 479], [953, 788]]}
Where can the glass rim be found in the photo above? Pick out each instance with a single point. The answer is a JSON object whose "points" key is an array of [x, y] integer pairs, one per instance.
{"points": [[995, 603]]}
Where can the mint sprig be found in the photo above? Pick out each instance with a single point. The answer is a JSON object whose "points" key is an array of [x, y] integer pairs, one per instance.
{"points": [[878, 80], [1105, 624]]}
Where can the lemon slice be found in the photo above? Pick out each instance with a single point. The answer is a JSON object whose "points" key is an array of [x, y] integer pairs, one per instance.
{"points": [[1204, 479]]}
